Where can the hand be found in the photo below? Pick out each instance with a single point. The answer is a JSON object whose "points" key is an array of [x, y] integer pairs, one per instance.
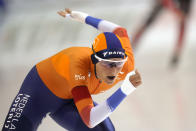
{"points": [[131, 82], [135, 79], [64, 12]]}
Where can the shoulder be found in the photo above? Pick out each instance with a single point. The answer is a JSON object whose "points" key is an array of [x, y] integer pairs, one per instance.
{"points": [[121, 32]]}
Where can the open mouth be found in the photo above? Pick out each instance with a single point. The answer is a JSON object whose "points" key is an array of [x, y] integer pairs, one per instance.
{"points": [[111, 77]]}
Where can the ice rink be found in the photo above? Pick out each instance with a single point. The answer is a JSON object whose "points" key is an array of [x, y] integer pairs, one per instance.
{"points": [[164, 102]]}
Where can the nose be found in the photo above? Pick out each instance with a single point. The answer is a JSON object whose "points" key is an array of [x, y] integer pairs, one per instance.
{"points": [[114, 70]]}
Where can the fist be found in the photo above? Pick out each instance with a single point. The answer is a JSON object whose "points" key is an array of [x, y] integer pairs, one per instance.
{"points": [[135, 79]]}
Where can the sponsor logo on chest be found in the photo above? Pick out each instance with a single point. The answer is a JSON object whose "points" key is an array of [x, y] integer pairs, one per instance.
{"points": [[79, 77]]}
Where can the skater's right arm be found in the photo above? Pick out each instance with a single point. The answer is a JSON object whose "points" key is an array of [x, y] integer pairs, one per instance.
{"points": [[93, 115]]}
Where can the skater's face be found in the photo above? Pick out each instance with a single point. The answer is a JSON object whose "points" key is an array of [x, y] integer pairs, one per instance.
{"points": [[107, 71]]}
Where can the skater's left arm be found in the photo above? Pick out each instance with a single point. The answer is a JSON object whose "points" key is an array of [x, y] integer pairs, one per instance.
{"points": [[99, 24]]}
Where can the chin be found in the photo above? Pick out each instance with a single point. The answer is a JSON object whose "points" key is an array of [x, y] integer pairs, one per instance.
{"points": [[109, 82]]}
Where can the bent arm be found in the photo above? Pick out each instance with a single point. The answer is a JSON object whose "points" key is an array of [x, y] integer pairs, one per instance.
{"points": [[93, 115]]}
